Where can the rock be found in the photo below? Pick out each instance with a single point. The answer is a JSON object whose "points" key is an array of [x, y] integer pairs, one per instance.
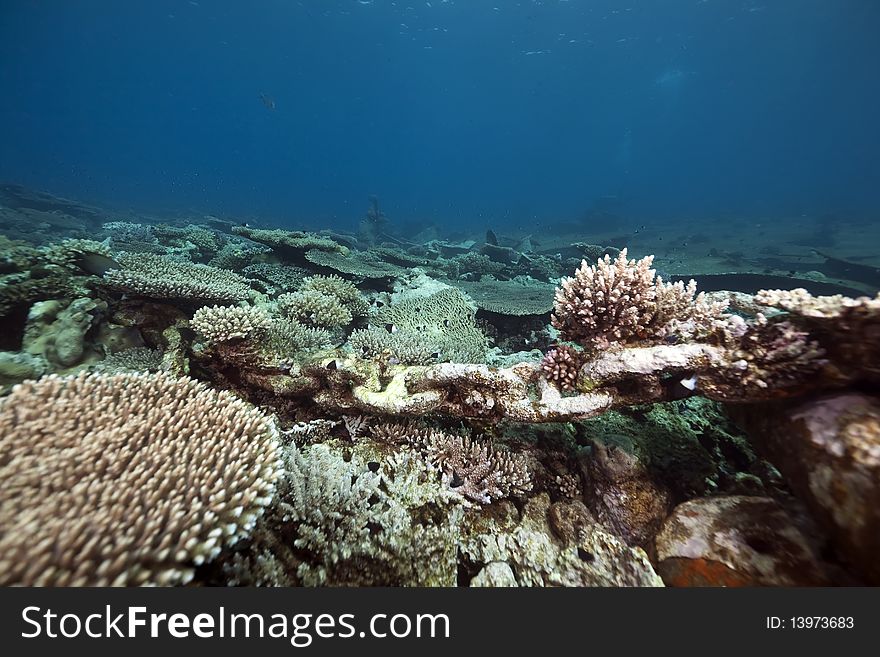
{"points": [[828, 451], [58, 332], [735, 541], [15, 367], [589, 556], [623, 496], [495, 574]]}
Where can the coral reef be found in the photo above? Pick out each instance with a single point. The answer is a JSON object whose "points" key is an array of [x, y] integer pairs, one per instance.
{"points": [[315, 308], [445, 414], [444, 318]]}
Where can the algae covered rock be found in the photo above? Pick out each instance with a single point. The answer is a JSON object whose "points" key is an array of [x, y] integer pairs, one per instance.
{"points": [[736, 541], [589, 556], [828, 450]]}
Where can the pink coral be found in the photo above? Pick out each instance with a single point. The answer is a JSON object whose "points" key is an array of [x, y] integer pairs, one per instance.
{"points": [[561, 366]]}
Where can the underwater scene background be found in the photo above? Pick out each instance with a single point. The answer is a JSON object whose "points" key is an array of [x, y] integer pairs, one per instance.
{"points": [[438, 293]]}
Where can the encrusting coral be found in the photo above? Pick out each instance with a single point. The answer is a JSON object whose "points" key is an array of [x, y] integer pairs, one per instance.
{"points": [[127, 479]]}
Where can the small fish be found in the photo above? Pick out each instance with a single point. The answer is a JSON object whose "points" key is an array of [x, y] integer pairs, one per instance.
{"points": [[690, 383], [96, 263], [268, 101], [391, 328], [445, 323]]}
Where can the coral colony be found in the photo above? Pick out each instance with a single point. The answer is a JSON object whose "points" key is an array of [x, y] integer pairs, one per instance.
{"points": [[220, 404]]}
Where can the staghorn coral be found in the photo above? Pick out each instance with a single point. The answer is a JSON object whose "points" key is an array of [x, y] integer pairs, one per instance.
{"points": [[135, 359], [356, 425], [470, 467], [225, 323], [314, 308], [562, 365], [621, 301], [402, 433], [157, 277], [127, 479]]}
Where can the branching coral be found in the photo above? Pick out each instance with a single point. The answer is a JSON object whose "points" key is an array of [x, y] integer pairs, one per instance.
{"points": [[128, 479], [476, 471], [157, 277], [470, 467], [314, 308], [562, 365], [286, 336], [349, 296], [444, 319], [353, 524], [407, 348], [622, 301], [225, 323], [332, 285]]}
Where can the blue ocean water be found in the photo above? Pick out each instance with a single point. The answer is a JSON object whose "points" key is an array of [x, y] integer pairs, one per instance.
{"points": [[461, 113]]}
